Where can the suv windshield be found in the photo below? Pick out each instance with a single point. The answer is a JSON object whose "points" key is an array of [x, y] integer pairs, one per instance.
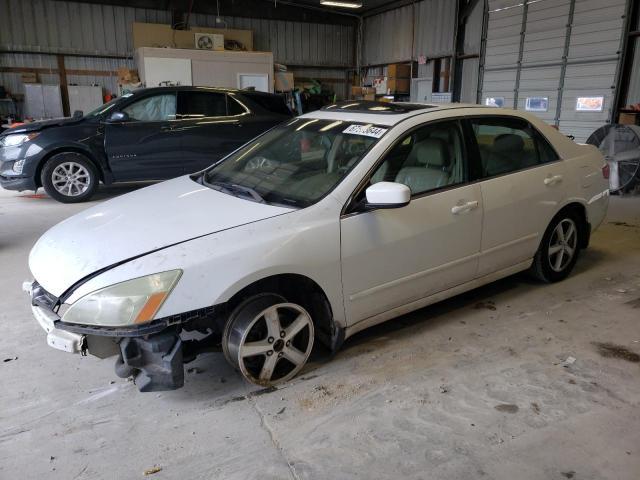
{"points": [[295, 164]]}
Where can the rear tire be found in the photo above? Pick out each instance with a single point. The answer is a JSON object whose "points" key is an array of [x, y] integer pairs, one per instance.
{"points": [[559, 248], [69, 177]]}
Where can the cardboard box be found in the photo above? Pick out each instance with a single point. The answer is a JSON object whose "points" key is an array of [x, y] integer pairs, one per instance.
{"points": [[30, 77], [283, 81], [628, 118], [398, 85], [209, 41], [161, 35], [126, 75], [380, 85], [399, 70]]}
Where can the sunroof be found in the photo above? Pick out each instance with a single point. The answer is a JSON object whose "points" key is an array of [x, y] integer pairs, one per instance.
{"points": [[377, 107]]}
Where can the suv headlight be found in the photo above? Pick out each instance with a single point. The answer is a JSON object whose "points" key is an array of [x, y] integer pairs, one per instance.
{"points": [[133, 302], [17, 139]]}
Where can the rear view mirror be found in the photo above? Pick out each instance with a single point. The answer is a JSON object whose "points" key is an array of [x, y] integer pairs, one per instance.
{"points": [[388, 195], [118, 117]]}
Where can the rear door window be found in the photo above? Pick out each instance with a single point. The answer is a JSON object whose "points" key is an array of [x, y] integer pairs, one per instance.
{"points": [[509, 144], [201, 104]]}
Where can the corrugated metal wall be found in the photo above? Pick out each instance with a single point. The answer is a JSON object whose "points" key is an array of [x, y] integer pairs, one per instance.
{"points": [[525, 57], [402, 34], [106, 30]]}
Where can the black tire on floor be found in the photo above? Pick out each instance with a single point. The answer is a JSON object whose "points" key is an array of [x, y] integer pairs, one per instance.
{"points": [[546, 267], [77, 164], [268, 339]]}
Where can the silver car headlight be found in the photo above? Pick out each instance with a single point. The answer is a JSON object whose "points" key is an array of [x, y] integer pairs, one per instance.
{"points": [[17, 139], [133, 302]]}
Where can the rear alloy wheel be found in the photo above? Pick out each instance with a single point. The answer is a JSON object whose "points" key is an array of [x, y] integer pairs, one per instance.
{"points": [[69, 177], [559, 249], [268, 339]]}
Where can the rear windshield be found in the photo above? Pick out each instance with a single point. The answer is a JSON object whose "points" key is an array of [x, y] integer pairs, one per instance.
{"points": [[272, 103], [295, 164]]}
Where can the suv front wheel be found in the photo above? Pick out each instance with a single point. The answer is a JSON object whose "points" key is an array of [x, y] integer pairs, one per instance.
{"points": [[69, 177]]}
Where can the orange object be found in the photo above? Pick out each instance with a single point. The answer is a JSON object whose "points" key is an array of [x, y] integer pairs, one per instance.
{"points": [[151, 307]]}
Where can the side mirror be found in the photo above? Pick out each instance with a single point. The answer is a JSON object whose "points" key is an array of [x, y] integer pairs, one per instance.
{"points": [[78, 114], [118, 117], [388, 195]]}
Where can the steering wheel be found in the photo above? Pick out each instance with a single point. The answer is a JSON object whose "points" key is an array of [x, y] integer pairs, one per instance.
{"points": [[258, 163]]}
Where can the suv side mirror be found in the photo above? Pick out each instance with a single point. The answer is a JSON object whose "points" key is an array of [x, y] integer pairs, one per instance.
{"points": [[78, 114], [118, 117], [388, 195]]}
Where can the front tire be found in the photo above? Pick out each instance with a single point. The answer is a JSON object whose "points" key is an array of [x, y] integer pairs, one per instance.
{"points": [[69, 177], [268, 339], [559, 249]]}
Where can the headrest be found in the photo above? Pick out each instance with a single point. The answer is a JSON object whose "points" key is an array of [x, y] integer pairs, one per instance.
{"points": [[508, 143], [432, 152]]}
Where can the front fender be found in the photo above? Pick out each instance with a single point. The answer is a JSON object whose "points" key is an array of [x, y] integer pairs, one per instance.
{"points": [[217, 266]]}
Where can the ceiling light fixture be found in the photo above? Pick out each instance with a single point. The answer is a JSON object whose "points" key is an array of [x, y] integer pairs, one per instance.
{"points": [[341, 4]]}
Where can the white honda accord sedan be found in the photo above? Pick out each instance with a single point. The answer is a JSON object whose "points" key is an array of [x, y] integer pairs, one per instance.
{"points": [[325, 225]]}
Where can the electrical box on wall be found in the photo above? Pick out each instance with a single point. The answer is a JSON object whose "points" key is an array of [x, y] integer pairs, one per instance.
{"points": [[209, 41]]}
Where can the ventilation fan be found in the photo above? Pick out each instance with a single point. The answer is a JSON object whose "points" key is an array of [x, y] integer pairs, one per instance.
{"points": [[620, 145]]}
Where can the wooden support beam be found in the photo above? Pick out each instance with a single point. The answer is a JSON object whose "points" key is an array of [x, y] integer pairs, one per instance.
{"points": [[64, 90]]}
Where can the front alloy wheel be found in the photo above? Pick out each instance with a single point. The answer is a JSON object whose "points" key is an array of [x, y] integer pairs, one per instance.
{"points": [[69, 177], [268, 339]]}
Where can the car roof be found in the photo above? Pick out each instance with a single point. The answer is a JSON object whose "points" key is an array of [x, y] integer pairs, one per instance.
{"points": [[384, 113], [138, 91]]}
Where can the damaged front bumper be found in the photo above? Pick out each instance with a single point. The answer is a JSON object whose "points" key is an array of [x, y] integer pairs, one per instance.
{"points": [[56, 338], [153, 354]]}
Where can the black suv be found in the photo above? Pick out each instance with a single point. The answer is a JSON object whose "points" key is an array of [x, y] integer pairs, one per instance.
{"points": [[150, 134]]}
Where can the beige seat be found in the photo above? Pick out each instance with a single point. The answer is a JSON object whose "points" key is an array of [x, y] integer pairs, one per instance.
{"points": [[430, 171]]}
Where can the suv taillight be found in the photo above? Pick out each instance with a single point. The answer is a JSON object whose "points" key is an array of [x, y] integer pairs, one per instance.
{"points": [[606, 171]]}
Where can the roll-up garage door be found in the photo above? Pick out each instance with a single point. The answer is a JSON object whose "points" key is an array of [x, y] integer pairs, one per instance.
{"points": [[541, 53]]}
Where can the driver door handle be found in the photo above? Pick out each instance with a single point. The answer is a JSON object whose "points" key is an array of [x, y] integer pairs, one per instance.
{"points": [[464, 207], [552, 179]]}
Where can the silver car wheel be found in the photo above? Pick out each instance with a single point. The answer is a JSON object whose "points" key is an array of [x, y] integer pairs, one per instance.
{"points": [[563, 244], [71, 179], [271, 346]]}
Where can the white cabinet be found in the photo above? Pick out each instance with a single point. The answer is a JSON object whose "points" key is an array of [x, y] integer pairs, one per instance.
{"points": [[42, 101], [84, 98], [205, 68]]}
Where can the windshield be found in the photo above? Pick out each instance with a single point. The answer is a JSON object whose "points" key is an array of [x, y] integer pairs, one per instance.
{"points": [[107, 106], [296, 163]]}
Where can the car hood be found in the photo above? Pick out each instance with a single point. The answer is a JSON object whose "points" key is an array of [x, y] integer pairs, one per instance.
{"points": [[134, 224], [42, 124]]}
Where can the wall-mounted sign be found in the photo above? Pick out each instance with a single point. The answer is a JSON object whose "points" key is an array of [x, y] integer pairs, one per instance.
{"points": [[537, 104], [494, 102], [589, 104], [441, 97]]}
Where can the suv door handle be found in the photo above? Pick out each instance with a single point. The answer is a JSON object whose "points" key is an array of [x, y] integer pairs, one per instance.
{"points": [[464, 207], [552, 179], [166, 128]]}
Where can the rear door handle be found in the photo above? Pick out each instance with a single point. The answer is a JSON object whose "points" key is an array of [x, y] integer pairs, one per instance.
{"points": [[552, 179], [464, 207]]}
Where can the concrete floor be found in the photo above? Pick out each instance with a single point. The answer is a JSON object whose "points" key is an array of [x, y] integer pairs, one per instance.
{"points": [[475, 387]]}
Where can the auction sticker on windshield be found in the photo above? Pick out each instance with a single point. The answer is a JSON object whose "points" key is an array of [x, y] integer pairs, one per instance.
{"points": [[366, 130]]}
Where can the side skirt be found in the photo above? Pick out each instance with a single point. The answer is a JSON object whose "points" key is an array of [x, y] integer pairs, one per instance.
{"points": [[437, 297]]}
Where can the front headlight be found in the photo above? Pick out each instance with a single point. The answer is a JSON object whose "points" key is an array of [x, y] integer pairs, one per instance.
{"points": [[133, 302], [17, 139]]}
